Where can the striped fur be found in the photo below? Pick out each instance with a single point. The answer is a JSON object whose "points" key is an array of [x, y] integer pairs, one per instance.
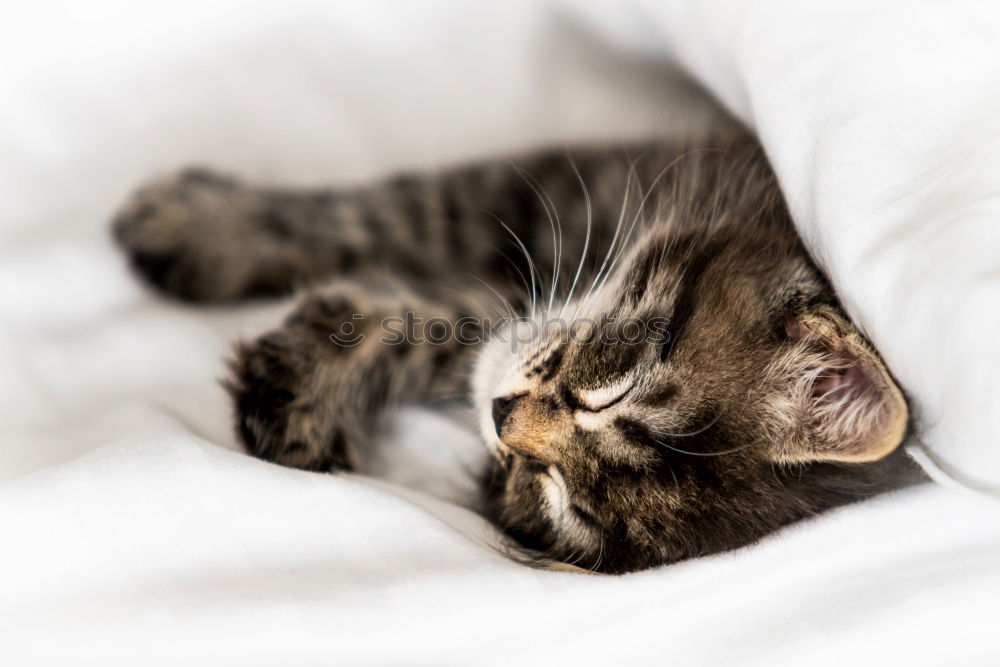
{"points": [[756, 404]]}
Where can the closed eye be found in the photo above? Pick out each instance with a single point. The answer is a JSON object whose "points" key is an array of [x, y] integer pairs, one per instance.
{"points": [[603, 398]]}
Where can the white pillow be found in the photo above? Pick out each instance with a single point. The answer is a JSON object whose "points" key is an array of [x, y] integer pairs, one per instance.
{"points": [[882, 120]]}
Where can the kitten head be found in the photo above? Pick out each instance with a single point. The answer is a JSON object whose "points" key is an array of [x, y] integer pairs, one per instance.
{"points": [[709, 391]]}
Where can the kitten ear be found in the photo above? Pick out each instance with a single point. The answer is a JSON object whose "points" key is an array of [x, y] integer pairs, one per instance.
{"points": [[837, 398]]}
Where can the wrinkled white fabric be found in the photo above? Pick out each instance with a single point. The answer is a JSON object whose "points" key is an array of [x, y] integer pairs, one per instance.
{"points": [[882, 120], [135, 532]]}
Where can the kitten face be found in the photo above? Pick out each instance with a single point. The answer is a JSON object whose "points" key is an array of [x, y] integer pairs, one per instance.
{"points": [[753, 403]]}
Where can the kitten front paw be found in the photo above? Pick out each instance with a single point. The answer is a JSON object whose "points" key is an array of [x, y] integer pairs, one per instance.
{"points": [[204, 237], [278, 415]]}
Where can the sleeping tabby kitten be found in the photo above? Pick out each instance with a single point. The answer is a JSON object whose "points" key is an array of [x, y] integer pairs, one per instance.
{"points": [[683, 381]]}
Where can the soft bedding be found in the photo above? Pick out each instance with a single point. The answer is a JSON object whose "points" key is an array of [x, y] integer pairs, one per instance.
{"points": [[135, 531]]}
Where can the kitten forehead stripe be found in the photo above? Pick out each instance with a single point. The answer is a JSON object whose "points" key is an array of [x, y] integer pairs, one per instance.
{"points": [[684, 308]]}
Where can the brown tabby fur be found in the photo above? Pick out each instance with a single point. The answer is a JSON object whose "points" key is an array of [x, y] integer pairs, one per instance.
{"points": [[759, 404]]}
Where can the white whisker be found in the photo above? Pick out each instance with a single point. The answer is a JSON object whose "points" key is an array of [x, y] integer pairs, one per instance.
{"points": [[698, 432], [618, 227], [642, 204], [554, 222], [692, 433], [464, 295], [520, 273], [531, 263], [586, 242], [506, 303]]}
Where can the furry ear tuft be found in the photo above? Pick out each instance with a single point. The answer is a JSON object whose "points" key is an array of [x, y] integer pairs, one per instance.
{"points": [[835, 395]]}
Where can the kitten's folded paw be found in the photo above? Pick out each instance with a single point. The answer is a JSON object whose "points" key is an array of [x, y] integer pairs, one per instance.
{"points": [[200, 236], [279, 417]]}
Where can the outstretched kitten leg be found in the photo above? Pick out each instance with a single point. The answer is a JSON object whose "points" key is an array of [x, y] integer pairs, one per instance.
{"points": [[210, 238], [204, 237], [308, 393]]}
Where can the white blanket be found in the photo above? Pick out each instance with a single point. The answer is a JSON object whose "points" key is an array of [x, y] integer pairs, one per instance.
{"points": [[135, 532]]}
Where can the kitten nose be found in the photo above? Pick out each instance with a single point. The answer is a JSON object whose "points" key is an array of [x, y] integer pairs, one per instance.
{"points": [[501, 410]]}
